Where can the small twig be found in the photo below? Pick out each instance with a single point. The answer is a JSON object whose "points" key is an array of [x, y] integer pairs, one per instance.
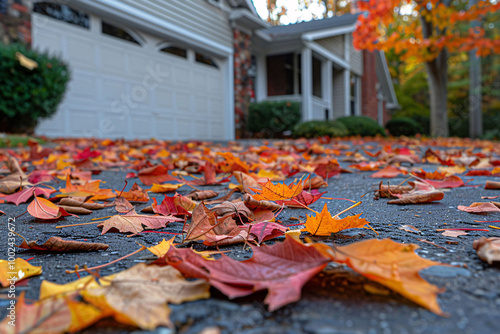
{"points": [[106, 264]]}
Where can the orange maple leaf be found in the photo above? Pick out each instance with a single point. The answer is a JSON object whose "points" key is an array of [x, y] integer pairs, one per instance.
{"points": [[278, 192], [89, 188], [391, 264], [324, 224]]}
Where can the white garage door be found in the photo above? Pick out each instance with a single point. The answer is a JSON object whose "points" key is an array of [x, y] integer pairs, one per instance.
{"points": [[131, 89]]}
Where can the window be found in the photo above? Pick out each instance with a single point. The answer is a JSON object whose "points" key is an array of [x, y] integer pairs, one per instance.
{"points": [[111, 30], [176, 51], [316, 77], [280, 78], [62, 13], [202, 59]]}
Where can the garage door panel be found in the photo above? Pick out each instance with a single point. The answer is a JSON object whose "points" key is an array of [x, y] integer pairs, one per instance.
{"points": [[183, 102], [217, 128], [82, 120], [182, 76], [164, 99], [112, 89], [112, 59], [81, 51], [164, 127], [137, 64], [83, 85], [120, 89]]}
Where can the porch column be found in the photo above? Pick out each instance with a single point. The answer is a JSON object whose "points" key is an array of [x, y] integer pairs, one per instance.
{"points": [[261, 84], [347, 92], [327, 84], [306, 71]]}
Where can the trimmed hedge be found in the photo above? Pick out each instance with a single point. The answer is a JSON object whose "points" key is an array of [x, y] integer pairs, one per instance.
{"points": [[312, 129], [362, 126], [403, 126], [29, 95], [272, 118]]}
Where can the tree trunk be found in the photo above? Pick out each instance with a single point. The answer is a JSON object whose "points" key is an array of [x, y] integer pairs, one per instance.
{"points": [[437, 77]]}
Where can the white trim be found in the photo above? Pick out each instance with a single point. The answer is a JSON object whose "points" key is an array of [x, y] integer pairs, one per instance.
{"points": [[261, 91], [358, 95], [307, 107], [347, 48], [149, 22], [389, 80], [327, 54], [328, 87], [347, 93], [329, 32], [229, 98]]}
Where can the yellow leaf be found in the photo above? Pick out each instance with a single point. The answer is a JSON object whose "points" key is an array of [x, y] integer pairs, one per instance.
{"points": [[165, 188], [138, 296], [26, 62], [162, 248], [49, 289], [12, 272], [324, 224]]}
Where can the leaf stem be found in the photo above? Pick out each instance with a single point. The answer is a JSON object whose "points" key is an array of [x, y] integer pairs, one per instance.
{"points": [[106, 264]]}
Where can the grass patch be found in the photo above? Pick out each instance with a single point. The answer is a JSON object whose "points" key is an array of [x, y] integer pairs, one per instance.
{"points": [[18, 140]]}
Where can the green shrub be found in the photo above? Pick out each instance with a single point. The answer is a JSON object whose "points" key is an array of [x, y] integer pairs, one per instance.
{"points": [[313, 129], [403, 126], [272, 118], [361, 125], [29, 95]]}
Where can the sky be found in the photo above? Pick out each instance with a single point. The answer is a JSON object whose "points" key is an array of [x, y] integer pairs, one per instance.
{"points": [[293, 13]]}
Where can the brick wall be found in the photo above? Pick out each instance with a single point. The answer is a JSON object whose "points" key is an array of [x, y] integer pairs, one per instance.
{"points": [[15, 21], [369, 86], [243, 82]]}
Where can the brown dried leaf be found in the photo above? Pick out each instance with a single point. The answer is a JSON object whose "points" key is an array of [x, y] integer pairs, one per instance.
{"points": [[478, 207], [488, 249], [56, 244], [200, 195], [419, 198]]}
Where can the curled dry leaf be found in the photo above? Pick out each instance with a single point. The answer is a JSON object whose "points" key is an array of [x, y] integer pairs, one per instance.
{"points": [[177, 205], [488, 249], [165, 188], [56, 244], [226, 232], [200, 195], [492, 185], [388, 191], [263, 205], [80, 202], [77, 210], [315, 183], [236, 210], [247, 182], [419, 198], [478, 207]]}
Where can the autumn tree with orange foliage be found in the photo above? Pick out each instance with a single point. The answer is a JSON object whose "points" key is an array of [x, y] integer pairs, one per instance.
{"points": [[434, 29]]}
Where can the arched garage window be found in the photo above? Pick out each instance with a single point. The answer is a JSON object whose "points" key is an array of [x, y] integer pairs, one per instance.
{"points": [[62, 13], [202, 59], [175, 50], [111, 30]]}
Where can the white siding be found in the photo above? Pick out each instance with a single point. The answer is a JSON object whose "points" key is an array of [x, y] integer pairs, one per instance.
{"points": [[333, 44], [356, 60], [196, 16]]}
